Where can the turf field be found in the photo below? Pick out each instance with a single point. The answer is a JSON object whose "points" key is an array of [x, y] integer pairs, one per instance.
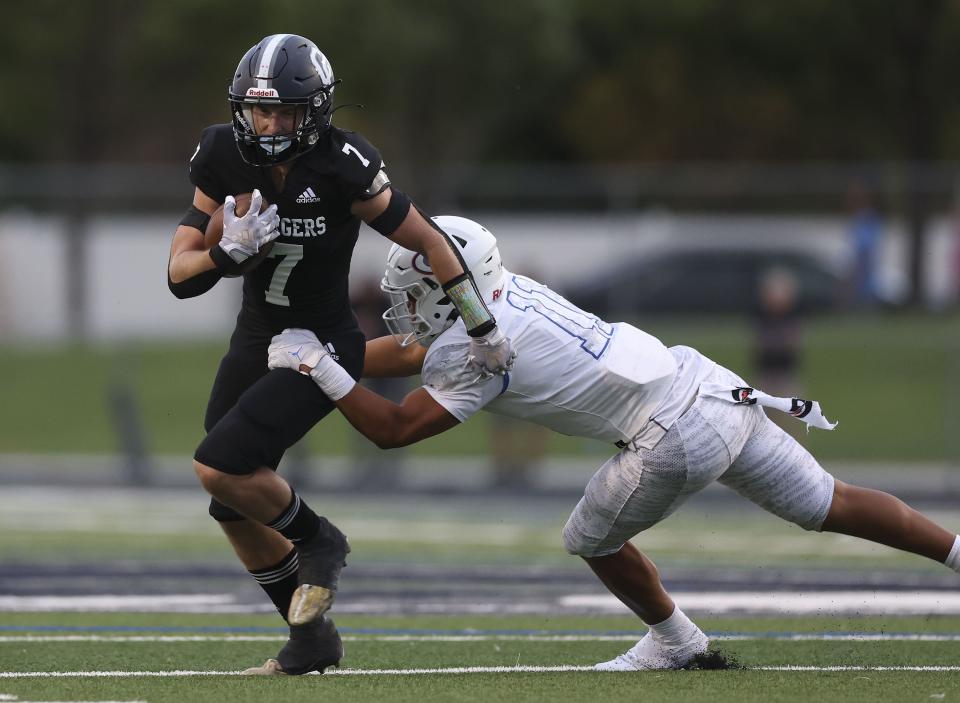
{"points": [[887, 378], [470, 597], [456, 598], [177, 658]]}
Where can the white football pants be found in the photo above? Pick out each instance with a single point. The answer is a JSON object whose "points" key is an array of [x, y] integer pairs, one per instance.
{"points": [[713, 440]]}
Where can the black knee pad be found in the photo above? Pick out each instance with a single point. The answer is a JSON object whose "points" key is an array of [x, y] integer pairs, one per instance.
{"points": [[223, 513]]}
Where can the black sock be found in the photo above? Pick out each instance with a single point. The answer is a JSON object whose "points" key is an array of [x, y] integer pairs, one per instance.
{"points": [[297, 523], [280, 581]]}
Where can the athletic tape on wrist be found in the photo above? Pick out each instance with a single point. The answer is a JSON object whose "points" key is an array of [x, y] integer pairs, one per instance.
{"points": [[953, 558], [332, 378]]}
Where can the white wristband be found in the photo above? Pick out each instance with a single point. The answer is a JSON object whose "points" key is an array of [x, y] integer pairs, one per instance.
{"points": [[332, 378]]}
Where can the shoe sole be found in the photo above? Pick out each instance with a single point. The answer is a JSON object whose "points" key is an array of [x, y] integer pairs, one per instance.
{"points": [[652, 665], [309, 603], [272, 668]]}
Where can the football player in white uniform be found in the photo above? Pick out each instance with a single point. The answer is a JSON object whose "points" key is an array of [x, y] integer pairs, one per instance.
{"points": [[680, 420]]}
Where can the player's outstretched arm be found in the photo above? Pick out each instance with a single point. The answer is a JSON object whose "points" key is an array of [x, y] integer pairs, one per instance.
{"points": [[389, 425], [385, 358], [383, 422]]}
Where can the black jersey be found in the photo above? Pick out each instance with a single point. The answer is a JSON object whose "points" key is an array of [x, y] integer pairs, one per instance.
{"points": [[303, 283]]}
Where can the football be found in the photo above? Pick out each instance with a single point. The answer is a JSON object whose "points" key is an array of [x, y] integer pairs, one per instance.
{"points": [[215, 230]]}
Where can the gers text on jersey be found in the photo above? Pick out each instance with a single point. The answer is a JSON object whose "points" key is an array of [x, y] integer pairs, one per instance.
{"points": [[304, 280]]}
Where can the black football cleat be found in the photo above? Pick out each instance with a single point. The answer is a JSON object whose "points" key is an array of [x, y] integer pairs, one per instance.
{"points": [[312, 647], [321, 559]]}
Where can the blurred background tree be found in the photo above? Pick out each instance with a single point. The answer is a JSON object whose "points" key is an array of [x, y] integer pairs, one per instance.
{"points": [[539, 80], [457, 84]]}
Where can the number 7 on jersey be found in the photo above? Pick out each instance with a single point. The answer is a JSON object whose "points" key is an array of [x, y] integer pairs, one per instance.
{"points": [[290, 255], [351, 149]]}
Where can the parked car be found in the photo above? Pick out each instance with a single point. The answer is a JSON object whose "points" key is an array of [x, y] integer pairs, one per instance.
{"points": [[703, 281]]}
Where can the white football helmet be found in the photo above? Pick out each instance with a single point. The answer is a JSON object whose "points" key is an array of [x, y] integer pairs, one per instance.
{"points": [[419, 309]]}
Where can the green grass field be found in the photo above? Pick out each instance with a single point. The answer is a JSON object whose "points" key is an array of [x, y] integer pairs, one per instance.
{"points": [[96, 542], [888, 379], [381, 654], [168, 527]]}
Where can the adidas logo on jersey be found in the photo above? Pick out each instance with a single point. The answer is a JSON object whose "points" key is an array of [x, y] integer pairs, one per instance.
{"points": [[307, 196], [333, 352]]}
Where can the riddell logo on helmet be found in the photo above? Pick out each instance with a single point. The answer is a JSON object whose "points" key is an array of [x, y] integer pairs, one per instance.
{"points": [[262, 93]]}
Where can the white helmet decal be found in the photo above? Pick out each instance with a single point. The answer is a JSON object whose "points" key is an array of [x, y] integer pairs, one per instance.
{"points": [[322, 65]]}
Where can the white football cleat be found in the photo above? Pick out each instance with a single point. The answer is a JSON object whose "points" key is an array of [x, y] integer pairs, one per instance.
{"points": [[649, 654]]}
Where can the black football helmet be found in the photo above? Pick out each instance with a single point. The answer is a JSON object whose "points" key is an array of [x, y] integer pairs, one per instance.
{"points": [[282, 69]]}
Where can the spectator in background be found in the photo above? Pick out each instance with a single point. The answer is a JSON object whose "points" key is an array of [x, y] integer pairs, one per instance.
{"points": [[865, 232], [778, 340]]}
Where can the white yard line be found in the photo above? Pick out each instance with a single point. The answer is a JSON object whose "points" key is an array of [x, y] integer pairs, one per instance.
{"points": [[854, 668], [856, 602], [116, 603], [863, 602], [735, 637], [83, 701], [14, 698], [438, 671]]}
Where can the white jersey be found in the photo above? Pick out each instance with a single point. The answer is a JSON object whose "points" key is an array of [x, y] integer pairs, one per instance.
{"points": [[574, 373]]}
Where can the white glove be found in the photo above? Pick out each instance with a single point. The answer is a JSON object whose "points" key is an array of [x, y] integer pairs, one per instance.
{"points": [[491, 354], [294, 347], [243, 236]]}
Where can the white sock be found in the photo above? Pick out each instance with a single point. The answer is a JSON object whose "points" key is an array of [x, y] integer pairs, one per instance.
{"points": [[676, 629], [953, 558]]}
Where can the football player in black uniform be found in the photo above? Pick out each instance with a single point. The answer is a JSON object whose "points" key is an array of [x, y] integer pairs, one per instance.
{"points": [[294, 257]]}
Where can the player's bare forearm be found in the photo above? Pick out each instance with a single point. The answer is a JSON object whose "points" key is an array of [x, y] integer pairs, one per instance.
{"points": [[188, 258], [414, 233], [187, 255], [389, 425], [385, 358]]}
